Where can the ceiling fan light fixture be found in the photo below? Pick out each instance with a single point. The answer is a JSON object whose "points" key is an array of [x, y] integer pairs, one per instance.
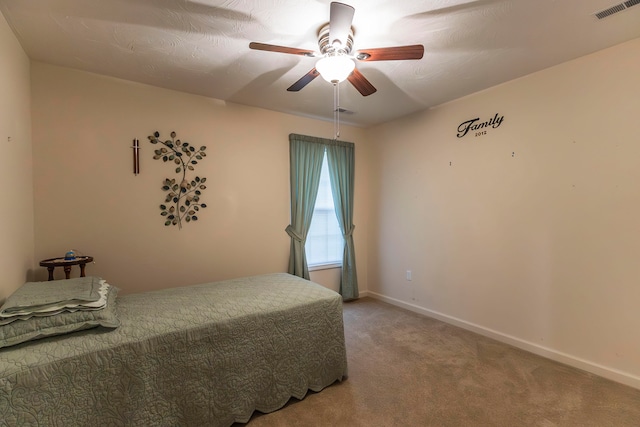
{"points": [[335, 68]]}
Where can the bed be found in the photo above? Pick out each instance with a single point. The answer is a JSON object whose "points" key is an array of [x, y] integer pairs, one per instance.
{"points": [[208, 354]]}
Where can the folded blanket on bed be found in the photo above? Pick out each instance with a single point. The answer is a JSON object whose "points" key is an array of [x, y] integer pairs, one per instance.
{"points": [[42, 309], [46, 297], [52, 310]]}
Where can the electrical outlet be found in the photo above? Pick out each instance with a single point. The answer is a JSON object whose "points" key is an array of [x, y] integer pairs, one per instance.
{"points": [[409, 278]]}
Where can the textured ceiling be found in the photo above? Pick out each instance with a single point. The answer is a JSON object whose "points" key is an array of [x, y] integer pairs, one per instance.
{"points": [[202, 47]]}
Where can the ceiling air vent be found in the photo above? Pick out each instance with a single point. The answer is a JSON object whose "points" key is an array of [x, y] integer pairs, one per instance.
{"points": [[615, 9]]}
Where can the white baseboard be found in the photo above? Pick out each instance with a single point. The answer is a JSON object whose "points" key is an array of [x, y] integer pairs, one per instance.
{"points": [[549, 353]]}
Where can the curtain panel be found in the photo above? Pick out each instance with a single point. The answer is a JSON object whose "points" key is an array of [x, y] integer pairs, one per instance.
{"points": [[306, 154], [305, 160], [341, 162]]}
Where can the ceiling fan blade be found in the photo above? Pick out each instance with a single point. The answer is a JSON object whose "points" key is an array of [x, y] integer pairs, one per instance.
{"points": [[414, 51], [340, 19], [361, 83], [281, 49], [305, 80]]}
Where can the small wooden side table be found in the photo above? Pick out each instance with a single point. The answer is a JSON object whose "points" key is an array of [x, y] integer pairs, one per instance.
{"points": [[52, 263]]}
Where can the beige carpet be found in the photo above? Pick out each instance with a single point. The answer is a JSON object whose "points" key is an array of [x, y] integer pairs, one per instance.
{"points": [[409, 370]]}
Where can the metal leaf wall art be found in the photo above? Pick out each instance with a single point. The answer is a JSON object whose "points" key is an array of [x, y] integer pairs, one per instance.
{"points": [[182, 201]]}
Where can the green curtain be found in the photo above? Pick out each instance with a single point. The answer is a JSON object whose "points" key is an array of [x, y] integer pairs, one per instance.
{"points": [[306, 154], [306, 164], [341, 162]]}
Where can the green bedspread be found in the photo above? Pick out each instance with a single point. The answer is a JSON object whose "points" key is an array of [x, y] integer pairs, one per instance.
{"points": [[204, 355]]}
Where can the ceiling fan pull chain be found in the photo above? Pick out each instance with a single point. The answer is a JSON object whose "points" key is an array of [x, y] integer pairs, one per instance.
{"points": [[336, 110]]}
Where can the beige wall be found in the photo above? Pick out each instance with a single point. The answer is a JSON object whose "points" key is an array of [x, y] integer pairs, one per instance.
{"points": [[16, 214], [88, 199], [530, 233]]}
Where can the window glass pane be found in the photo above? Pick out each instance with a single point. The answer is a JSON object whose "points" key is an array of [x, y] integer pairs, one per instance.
{"points": [[325, 244]]}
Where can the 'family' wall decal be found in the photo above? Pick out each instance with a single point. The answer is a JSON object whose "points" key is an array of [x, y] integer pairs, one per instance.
{"points": [[478, 127]]}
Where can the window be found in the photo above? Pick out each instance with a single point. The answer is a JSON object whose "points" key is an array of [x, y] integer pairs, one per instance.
{"points": [[325, 245]]}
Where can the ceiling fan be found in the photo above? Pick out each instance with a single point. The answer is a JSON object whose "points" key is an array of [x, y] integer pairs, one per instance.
{"points": [[336, 63]]}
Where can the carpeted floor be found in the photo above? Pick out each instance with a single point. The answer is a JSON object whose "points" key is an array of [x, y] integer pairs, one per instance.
{"points": [[409, 370]]}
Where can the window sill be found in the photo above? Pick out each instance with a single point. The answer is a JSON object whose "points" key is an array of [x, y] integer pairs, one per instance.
{"points": [[325, 266]]}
